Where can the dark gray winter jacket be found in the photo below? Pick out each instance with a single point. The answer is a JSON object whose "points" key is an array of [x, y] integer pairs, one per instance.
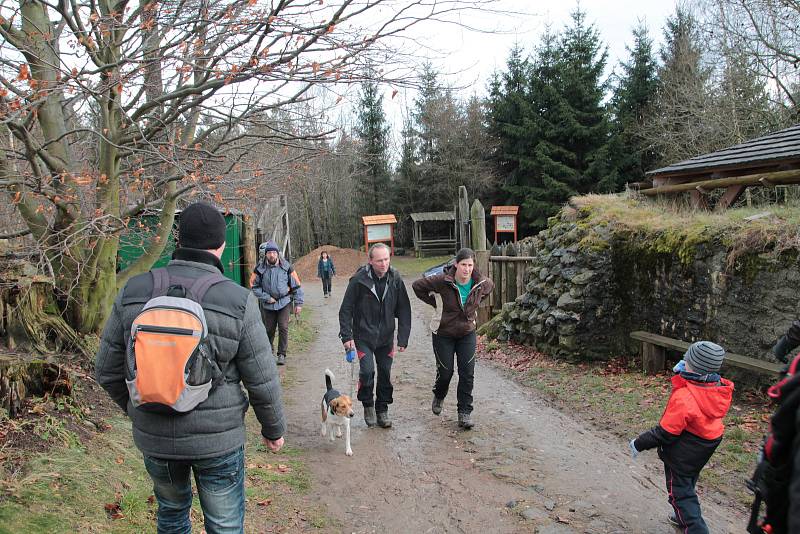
{"points": [[239, 343]]}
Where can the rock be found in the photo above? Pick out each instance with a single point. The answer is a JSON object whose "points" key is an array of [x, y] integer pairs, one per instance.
{"points": [[89, 425], [555, 528], [567, 302], [511, 504], [567, 259], [583, 277], [533, 514]]}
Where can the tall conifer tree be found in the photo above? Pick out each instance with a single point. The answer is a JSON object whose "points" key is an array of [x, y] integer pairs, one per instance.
{"points": [[372, 132]]}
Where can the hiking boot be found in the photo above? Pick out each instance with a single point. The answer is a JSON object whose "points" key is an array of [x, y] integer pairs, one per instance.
{"points": [[465, 421], [384, 421], [369, 416], [281, 359], [673, 520], [436, 405]]}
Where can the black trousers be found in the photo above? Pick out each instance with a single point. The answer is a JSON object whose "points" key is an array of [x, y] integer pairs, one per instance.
{"points": [[326, 285], [279, 319], [683, 499], [368, 360], [463, 348]]}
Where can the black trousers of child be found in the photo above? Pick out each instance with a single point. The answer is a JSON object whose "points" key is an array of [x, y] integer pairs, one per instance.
{"points": [[463, 348], [368, 360], [683, 498]]}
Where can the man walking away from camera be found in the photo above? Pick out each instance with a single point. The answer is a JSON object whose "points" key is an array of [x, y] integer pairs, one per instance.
{"points": [[207, 441]]}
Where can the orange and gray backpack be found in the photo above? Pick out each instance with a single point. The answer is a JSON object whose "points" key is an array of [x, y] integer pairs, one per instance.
{"points": [[169, 365]]}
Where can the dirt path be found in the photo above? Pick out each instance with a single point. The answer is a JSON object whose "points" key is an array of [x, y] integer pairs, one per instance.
{"points": [[524, 468]]}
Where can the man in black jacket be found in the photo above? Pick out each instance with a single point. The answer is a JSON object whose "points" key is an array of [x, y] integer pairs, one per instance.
{"points": [[787, 343], [375, 296]]}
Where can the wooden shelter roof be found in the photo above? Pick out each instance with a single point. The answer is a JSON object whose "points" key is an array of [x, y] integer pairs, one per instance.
{"points": [[504, 210], [433, 216], [378, 219], [773, 152]]}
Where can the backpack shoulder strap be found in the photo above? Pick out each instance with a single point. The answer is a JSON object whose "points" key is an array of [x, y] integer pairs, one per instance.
{"points": [[160, 282], [201, 286]]}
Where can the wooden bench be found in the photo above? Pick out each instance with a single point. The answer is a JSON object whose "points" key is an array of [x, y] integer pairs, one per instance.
{"points": [[654, 347]]}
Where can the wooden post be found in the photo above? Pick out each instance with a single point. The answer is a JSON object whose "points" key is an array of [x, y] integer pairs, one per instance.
{"points": [[652, 358], [249, 247], [510, 277], [478, 225], [463, 217]]}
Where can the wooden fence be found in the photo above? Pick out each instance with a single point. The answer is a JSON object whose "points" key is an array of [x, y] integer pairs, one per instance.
{"points": [[508, 269]]}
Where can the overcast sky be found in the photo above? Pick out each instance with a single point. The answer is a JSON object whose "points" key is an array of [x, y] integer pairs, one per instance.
{"points": [[471, 57]]}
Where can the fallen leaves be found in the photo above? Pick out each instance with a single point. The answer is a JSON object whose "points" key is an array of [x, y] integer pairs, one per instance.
{"points": [[280, 468]]}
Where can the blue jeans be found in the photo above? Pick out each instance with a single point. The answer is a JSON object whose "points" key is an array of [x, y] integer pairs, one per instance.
{"points": [[220, 486]]}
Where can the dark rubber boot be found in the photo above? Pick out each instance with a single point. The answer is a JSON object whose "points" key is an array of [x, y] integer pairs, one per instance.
{"points": [[465, 421], [369, 416], [384, 421]]}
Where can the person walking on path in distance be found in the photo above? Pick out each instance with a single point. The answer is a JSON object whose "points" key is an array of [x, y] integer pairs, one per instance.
{"points": [[375, 297], [276, 285], [455, 295], [325, 271], [690, 430], [208, 440]]}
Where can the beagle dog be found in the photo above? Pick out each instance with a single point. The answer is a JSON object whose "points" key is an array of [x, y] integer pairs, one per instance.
{"points": [[337, 409]]}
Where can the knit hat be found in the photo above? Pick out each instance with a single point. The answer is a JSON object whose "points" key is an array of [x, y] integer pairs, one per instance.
{"points": [[704, 357], [271, 245], [201, 226]]}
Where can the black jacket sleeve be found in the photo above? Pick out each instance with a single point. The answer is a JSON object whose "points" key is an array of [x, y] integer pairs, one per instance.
{"points": [[653, 438], [109, 364], [787, 342], [402, 311], [346, 312]]}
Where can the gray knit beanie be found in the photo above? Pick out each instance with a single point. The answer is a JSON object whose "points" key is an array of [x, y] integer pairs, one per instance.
{"points": [[704, 357]]}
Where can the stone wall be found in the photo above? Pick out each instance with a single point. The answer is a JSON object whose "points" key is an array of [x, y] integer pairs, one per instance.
{"points": [[592, 284]]}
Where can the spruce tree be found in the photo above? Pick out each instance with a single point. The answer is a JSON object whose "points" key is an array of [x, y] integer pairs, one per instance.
{"points": [[372, 132], [629, 155], [564, 129]]}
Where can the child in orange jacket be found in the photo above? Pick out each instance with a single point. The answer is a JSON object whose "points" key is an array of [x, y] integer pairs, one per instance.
{"points": [[690, 430]]}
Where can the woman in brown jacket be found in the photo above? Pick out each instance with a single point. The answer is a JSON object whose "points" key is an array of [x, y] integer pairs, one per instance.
{"points": [[455, 294]]}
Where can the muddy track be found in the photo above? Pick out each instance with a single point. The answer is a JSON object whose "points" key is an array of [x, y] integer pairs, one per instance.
{"points": [[525, 467]]}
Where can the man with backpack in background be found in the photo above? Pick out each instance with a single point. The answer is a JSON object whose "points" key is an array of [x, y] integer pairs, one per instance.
{"points": [[179, 435], [276, 284]]}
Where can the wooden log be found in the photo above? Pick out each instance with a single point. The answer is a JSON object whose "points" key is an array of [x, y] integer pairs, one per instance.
{"points": [[24, 375], [512, 258], [779, 177], [249, 249], [478, 223], [482, 263], [652, 358], [732, 194], [463, 217]]}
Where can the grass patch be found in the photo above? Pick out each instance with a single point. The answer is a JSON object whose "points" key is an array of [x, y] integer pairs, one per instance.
{"points": [[616, 396], [675, 226], [411, 266]]}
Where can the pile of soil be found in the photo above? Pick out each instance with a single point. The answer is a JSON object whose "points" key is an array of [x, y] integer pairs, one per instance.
{"points": [[345, 260]]}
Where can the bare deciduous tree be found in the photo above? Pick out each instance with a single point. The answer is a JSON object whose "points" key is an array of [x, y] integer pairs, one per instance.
{"points": [[109, 107]]}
